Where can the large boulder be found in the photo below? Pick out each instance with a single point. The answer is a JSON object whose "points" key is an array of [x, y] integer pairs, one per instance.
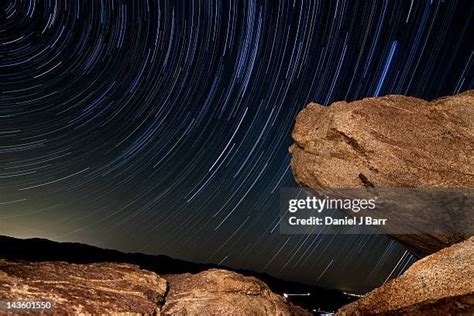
{"points": [[99, 288], [440, 284], [389, 142], [221, 292]]}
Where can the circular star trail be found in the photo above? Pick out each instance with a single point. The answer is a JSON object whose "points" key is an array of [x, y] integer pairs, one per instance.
{"points": [[163, 126]]}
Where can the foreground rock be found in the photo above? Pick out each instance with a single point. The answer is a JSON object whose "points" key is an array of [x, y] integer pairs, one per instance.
{"points": [[440, 284], [221, 292], [100, 288], [111, 288], [388, 142]]}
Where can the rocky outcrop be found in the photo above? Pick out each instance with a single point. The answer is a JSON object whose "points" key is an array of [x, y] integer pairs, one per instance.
{"points": [[388, 142], [99, 288], [112, 288], [440, 284], [221, 292], [391, 141], [40, 251]]}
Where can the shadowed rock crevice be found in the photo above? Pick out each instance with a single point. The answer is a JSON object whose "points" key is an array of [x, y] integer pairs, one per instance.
{"points": [[365, 181], [337, 135]]}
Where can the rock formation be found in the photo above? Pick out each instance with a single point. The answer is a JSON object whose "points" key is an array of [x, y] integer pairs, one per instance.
{"points": [[112, 288], [221, 292], [41, 251], [388, 142], [99, 288], [440, 284], [391, 141]]}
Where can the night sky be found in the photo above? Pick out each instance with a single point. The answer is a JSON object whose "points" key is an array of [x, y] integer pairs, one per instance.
{"points": [[163, 127]]}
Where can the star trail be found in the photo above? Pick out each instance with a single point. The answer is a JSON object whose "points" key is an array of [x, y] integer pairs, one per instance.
{"points": [[163, 126]]}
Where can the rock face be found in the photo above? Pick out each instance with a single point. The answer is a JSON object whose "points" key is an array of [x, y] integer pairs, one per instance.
{"points": [[440, 284], [221, 292], [388, 142], [112, 288], [100, 288], [392, 141]]}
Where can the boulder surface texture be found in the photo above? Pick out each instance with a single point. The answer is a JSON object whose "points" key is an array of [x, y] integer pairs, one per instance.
{"points": [[440, 284]]}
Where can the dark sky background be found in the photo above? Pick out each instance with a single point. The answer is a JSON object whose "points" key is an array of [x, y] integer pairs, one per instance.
{"points": [[163, 127]]}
